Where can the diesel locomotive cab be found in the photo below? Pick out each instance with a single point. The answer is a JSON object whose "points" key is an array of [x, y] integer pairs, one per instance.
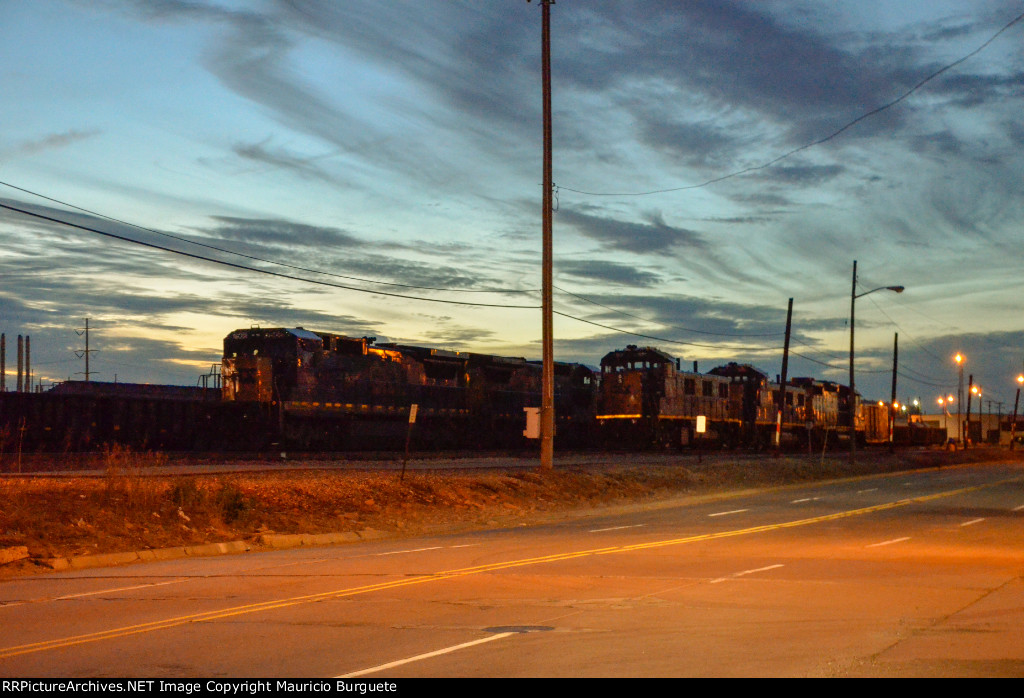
{"points": [[264, 365]]}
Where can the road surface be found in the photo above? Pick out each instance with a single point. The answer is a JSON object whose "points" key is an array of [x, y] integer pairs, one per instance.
{"points": [[915, 574]]}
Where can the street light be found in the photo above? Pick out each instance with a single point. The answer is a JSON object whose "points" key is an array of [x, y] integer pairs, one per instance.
{"points": [[853, 390], [944, 403], [976, 391], [1016, 404], [960, 398]]}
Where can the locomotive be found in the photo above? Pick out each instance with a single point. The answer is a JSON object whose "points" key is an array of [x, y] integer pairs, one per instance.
{"points": [[646, 398], [332, 391], [296, 389]]}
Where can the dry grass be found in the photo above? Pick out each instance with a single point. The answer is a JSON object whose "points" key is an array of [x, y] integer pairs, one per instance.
{"points": [[127, 509]]}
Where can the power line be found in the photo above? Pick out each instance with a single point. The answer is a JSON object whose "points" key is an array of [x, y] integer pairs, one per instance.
{"points": [[258, 259], [820, 141], [255, 269]]}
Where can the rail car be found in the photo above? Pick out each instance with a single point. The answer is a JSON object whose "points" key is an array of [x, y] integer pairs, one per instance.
{"points": [[333, 391], [297, 389], [88, 415], [646, 398]]}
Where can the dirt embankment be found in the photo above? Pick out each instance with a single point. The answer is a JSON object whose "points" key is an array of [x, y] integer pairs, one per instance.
{"points": [[125, 508]]}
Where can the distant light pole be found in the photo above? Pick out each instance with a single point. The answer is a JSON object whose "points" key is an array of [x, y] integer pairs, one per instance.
{"points": [[1016, 404], [944, 403], [959, 399], [974, 390], [853, 390]]}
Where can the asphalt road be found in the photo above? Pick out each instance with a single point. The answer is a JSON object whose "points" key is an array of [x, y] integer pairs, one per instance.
{"points": [[915, 574]]}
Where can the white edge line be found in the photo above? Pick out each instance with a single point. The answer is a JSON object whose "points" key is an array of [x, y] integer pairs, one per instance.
{"points": [[111, 591], [746, 572], [428, 655], [888, 542], [415, 550]]}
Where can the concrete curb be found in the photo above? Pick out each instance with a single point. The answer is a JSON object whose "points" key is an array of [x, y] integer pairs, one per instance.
{"points": [[298, 540], [276, 541], [114, 559], [18, 552]]}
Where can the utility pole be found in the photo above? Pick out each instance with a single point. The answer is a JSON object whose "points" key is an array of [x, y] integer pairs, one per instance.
{"points": [[547, 407], [85, 353], [892, 401], [967, 417], [1016, 404], [782, 384], [853, 389]]}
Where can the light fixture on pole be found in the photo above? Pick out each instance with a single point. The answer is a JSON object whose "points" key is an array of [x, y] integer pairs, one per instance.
{"points": [[944, 403], [976, 392], [959, 358], [1016, 404], [853, 390]]}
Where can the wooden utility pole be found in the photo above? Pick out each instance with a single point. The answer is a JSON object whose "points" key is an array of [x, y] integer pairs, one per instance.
{"points": [[892, 400], [781, 412], [1013, 424], [967, 418], [547, 407], [853, 389]]}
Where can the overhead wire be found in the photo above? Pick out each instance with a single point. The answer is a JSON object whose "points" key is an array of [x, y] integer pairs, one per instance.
{"points": [[268, 272], [260, 259], [820, 141]]}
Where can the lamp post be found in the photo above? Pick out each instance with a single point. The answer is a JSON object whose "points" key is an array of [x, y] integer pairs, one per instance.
{"points": [[1016, 404], [959, 398], [853, 390], [972, 391], [944, 403]]}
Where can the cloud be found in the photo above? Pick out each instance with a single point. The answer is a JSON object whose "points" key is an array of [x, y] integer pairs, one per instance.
{"points": [[52, 142], [271, 233], [603, 271], [697, 144], [803, 175], [305, 167], [654, 236]]}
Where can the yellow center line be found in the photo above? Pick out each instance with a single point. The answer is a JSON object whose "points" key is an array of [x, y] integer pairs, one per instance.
{"points": [[207, 616]]}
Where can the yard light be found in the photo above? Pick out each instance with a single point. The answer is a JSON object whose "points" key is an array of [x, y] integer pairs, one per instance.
{"points": [[853, 391]]}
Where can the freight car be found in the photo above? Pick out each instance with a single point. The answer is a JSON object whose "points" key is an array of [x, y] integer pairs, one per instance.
{"points": [[330, 391], [78, 416], [646, 399]]}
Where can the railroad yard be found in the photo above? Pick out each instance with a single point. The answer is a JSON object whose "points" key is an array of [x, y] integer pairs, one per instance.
{"points": [[125, 501]]}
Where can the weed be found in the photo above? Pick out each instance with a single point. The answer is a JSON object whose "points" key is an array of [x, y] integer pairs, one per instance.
{"points": [[185, 493], [231, 503], [125, 485]]}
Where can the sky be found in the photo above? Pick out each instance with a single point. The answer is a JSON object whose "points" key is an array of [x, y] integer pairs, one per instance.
{"points": [[185, 168]]}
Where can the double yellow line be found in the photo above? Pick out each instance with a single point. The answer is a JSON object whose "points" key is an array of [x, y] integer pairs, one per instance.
{"points": [[176, 621]]}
